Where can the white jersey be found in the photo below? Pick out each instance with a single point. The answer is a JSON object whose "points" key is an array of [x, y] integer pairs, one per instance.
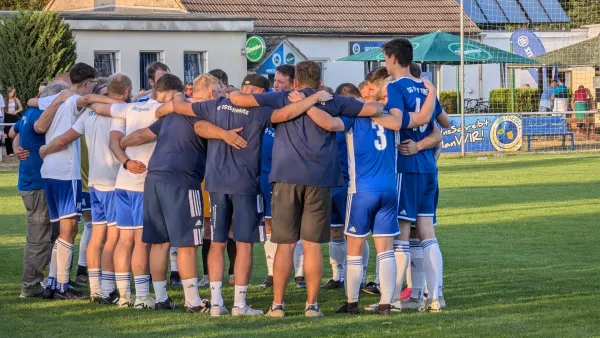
{"points": [[103, 165], [64, 164], [134, 116], [45, 102]]}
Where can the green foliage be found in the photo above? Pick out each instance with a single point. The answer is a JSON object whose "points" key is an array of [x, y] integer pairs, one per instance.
{"points": [[582, 12], [34, 47], [448, 101], [21, 5], [526, 100]]}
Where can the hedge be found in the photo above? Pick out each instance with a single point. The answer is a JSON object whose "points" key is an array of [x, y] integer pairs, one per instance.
{"points": [[526, 100], [448, 101]]}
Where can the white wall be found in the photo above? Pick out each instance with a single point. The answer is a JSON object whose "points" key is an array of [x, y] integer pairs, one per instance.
{"points": [[223, 50]]}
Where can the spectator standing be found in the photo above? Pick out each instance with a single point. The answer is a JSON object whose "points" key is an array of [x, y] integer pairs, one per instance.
{"points": [[560, 95], [581, 99], [546, 102], [12, 108]]}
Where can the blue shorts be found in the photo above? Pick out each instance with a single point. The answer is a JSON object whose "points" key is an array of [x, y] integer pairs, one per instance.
{"points": [[64, 198], [372, 212], [339, 199], [243, 213], [416, 196], [129, 208], [86, 204], [172, 214], [265, 188], [103, 207]]}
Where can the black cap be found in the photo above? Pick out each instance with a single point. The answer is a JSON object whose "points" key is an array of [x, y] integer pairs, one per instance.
{"points": [[257, 81]]}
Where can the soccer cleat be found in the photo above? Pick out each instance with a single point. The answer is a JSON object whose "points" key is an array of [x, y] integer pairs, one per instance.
{"points": [[95, 298], [112, 299], [231, 280], [32, 293], [204, 282], [202, 308], [48, 293], [268, 283], [371, 307], [74, 285], [218, 310], [313, 311], [276, 312], [175, 278], [82, 274], [144, 302], [383, 310], [165, 305], [70, 294], [412, 304], [371, 288], [245, 311], [396, 306], [126, 301], [300, 283], [351, 308], [405, 294], [333, 284], [431, 305], [442, 302]]}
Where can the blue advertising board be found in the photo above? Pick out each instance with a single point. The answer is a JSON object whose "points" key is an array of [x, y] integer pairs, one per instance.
{"points": [[355, 47], [486, 133]]}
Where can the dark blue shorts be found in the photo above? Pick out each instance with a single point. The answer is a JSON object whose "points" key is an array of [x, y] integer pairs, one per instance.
{"points": [[172, 214], [265, 187], [372, 212], [416, 195], [129, 208], [242, 213], [64, 198], [103, 207], [339, 199]]}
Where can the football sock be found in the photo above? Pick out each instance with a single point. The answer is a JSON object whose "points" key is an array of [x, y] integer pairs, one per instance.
{"points": [[299, 259], [432, 264], [417, 272], [239, 299], [123, 283], [337, 253], [51, 283], [354, 277], [402, 257], [190, 291], [83, 244], [64, 254], [142, 285], [94, 279], [107, 283], [160, 290], [215, 293], [270, 249], [173, 257], [388, 270]]}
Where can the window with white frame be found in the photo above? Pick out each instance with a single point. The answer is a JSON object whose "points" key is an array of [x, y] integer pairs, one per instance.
{"points": [[193, 65], [323, 64], [105, 63], [146, 59]]}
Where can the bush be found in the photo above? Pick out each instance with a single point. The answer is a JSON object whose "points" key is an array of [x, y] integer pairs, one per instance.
{"points": [[34, 47], [448, 101], [526, 100]]}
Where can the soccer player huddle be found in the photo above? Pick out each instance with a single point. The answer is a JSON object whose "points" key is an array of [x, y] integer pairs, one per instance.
{"points": [[294, 167]]}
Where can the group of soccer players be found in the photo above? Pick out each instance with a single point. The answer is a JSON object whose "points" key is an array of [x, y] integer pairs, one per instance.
{"points": [[294, 167]]}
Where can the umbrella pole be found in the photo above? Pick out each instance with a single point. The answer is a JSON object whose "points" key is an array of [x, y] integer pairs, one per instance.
{"points": [[438, 79], [512, 84], [462, 77]]}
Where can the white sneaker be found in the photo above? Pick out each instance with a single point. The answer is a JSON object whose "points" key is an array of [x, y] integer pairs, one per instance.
{"points": [[204, 282], [144, 302], [217, 310], [432, 305], [126, 300], [396, 306], [442, 302], [413, 304], [245, 311]]}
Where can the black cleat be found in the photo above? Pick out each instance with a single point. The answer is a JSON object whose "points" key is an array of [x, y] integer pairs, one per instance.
{"points": [[204, 307], [175, 278], [383, 310], [82, 274], [268, 283], [371, 288], [166, 305], [48, 293], [300, 283], [351, 308], [70, 294], [333, 284], [74, 285], [112, 299]]}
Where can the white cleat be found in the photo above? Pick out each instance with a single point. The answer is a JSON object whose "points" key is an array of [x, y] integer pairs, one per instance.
{"points": [[432, 305], [204, 282], [145, 302], [126, 301], [413, 304], [396, 306], [218, 311], [246, 311]]}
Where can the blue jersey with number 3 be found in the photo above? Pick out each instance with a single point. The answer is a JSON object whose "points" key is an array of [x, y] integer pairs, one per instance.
{"points": [[409, 95], [371, 155]]}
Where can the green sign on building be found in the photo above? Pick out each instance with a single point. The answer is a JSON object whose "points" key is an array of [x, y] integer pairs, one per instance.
{"points": [[255, 48]]}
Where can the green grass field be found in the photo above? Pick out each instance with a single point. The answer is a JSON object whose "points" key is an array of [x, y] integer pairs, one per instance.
{"points": [[520, 237]]}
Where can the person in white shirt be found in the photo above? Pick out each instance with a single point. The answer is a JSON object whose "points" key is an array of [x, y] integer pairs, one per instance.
{"points": [[104, 167], [61, 172], [129, 193]]}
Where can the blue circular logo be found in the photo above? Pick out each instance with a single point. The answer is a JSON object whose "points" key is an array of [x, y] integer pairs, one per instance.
{"points": [[355, 48], [506, 133], [276, 59]]}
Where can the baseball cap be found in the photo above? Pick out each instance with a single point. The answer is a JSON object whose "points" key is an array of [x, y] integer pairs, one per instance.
{"points": [[256, 81]]}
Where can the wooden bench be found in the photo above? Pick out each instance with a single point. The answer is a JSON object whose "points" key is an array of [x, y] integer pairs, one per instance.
{"points": [[547, 126]]}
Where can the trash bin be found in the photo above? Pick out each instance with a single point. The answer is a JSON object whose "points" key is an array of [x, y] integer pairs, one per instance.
{"points": [[580, 106]]}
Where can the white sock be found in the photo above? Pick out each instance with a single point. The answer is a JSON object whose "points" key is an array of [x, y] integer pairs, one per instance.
{"points": [[402, 255], [160, 290], [215, 293], [173, 256], [270, 249], [432, 264], [365, 259], [142, 285], [417, 272], [51, 283], [107, 283], [239, 298], [94, 280], [376, 271], [64, 254], [337, 254], [354, 271], [387, 263], [83, 244], [299, 259], [123, 280], [190, 291]]}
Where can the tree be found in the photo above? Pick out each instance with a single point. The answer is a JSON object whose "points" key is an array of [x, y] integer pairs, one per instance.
{"points": [[582, 12], [34, 47], [18, 5]]}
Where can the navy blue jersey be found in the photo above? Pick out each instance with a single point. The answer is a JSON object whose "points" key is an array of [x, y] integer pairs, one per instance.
{"points": [[305, 153], [180, 154], [232, 171], [409, 95], [340, 139], [29, 169], [371, 155], [267, 151]]}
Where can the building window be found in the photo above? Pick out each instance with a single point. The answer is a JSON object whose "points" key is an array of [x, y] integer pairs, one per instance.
{"points": [[193, 65], [323, 65], [146, 59], [105, 63]]}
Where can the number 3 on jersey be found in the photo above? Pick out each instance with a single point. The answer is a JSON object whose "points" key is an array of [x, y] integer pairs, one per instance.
{"points": [[381, 141]]}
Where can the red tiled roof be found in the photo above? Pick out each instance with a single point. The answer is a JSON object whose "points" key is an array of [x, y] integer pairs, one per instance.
{"points": [[361, 17]]}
